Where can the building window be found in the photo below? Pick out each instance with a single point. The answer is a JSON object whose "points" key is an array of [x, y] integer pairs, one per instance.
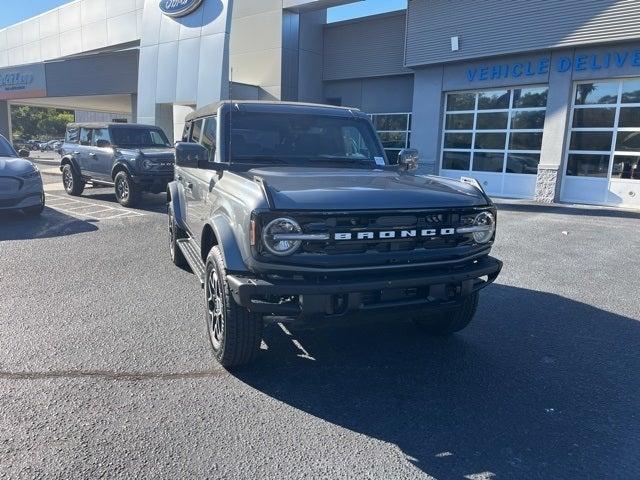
{"points": [[498, 130], [394, 130], [604, 141]]}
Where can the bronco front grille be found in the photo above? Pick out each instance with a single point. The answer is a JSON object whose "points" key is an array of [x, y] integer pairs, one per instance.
{"points": [[379, 222]]}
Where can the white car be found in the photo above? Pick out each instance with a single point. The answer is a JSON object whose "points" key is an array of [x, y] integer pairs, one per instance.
{"points": [[20, 181]]}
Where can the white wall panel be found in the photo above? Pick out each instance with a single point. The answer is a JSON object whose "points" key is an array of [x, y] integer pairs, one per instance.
{"points": [[70, 17], [14, 36], [30, 31], [168, 65], [188, 62], [122, 29], [31, 52], [94, 35], [71, 42], [50, 48], [147, 83], [16, 56], [115, 8], [49, 24], [93, 11]]}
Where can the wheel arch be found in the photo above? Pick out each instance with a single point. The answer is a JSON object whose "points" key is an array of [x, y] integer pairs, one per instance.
{"points": [[218, 231], [176, 203], [68, 160], [119, 167]]}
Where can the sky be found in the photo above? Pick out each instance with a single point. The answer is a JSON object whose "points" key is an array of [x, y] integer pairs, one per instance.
{"points": [[26, 9]]}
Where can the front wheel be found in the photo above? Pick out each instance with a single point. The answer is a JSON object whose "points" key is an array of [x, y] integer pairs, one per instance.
{"points": [[127, 192], [234, 332], [72, 181], [450, 322]]}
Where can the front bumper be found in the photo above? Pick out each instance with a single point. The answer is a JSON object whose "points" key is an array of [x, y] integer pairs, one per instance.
{"points": [[422, 290], [153, 183], [20, 201]]}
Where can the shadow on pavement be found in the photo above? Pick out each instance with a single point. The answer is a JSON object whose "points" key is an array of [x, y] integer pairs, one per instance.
{"points": [[539, 387], [150, 202], [51, 223], [561, 209]]}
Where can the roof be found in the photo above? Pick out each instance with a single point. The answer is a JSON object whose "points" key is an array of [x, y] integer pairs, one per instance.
{"points": [[109, 124], [273, 106]]}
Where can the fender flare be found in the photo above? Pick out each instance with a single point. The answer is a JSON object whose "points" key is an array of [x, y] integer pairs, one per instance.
{"points": [[231, 254], [71, 161], [119, 166], [176, 205]]}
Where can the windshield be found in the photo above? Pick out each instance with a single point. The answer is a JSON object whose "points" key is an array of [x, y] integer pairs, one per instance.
{"points": [[6, 150], [138, 138], [299, 139]]}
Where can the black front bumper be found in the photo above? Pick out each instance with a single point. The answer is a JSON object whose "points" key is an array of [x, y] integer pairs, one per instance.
{"points": [[153, 183], [421, 290]]}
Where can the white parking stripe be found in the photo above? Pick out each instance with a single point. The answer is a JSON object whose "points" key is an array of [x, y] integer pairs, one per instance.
{"points": [[87, 210]]}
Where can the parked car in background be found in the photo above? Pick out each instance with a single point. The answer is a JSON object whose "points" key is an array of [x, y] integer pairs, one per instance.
{"points": [[288, 210], [132, 158], [21, 185]]}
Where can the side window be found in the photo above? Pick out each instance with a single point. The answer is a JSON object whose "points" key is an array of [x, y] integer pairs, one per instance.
{"points": [[196, 131], [209, 136], [101, 137], [73, 133], [86, 135]]}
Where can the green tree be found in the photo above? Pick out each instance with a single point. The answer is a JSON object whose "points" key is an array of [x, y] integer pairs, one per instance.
{"points": [[39, 123]]}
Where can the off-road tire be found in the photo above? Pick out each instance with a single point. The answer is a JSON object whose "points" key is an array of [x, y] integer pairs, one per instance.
{"points": [[448, 323], [238, 341], [72, 181], [175, 234], [127, 192]]}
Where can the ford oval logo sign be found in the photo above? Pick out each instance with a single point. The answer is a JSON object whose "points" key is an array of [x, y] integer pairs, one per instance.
{"points": [[179, 8]]}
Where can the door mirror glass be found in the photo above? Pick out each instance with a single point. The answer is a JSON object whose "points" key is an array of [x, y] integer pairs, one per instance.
{"points": [[191, 155], [24, 153], [408, 159]]}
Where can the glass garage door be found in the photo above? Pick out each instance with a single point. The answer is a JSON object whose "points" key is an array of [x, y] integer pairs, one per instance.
{"points": [[395, 132], [495, 136], [603, 153]]}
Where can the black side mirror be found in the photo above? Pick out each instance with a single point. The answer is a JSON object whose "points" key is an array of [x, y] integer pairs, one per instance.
{"points": [[408, 159], [191, 155], [24, 153], [103, 143]]}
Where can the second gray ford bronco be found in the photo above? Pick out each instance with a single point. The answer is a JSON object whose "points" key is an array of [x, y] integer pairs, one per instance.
{"points": [[292, 211], [132, 158]]}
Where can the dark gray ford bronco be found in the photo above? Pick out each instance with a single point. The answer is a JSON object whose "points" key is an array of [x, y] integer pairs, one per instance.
{"points": [[132, 158], [292, 211]]}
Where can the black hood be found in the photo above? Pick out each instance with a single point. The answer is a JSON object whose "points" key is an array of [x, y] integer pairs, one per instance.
{"points": [[356, 189]]}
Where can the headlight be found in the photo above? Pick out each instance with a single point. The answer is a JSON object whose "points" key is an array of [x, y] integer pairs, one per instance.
{"points": [[482, 226], [275, 237], [35, 173]]}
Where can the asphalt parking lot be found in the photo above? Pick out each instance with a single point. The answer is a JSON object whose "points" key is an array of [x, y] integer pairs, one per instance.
{"points": [[106, 372]]}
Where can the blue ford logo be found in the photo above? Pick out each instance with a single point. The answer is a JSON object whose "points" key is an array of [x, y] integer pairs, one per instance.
{"points": [[179, 8]]}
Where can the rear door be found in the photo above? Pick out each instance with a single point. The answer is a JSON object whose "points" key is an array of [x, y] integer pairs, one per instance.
{"points": [[83, 151], [101, 155]]}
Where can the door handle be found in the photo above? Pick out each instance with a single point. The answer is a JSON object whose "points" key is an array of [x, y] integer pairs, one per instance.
{"points": [[76, 153], [92, 155], [179, 178]]}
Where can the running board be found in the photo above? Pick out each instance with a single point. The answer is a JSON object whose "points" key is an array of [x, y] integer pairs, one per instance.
{"points": [[192, 254]]}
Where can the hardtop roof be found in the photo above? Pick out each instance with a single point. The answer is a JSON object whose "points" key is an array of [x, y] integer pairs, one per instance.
{"points": [[109, 124], [275, 106]]}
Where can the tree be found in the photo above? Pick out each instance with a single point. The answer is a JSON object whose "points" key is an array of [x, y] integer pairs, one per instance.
{"points": [[39, 123]]}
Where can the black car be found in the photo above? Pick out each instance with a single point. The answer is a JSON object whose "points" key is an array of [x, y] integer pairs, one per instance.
{"points": [[292, 211], [133, 158]]}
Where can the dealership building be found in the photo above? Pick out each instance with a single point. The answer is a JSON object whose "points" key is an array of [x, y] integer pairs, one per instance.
{"points": [[537, 99]]}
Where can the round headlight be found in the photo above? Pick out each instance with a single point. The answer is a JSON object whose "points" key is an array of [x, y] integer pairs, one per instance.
{"points": [[487, 223], [274, 237]]}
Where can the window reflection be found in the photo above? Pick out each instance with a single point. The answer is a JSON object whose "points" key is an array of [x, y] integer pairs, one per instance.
{"points": [[627, 167], [597, 93]]}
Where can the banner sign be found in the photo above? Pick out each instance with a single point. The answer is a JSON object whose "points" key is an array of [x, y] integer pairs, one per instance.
{"points": [[23, 82]]}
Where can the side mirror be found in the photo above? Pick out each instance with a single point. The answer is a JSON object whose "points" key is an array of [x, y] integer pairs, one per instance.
{"points": [[24, 153], [191, 155], [408, 159], [103, 144]]}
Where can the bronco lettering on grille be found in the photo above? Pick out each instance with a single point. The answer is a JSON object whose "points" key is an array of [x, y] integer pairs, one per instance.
{"points": [[394, 234]]}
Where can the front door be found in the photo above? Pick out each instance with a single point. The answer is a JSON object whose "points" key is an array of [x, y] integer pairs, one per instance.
{"points": [[101, 154]]}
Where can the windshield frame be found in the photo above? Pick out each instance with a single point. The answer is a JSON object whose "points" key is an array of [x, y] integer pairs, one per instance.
{"points": [[113, 129], [229, 113]]}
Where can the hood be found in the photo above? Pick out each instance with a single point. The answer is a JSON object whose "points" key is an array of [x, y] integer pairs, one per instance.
{"points": [[14, 166], [356, 189], [164, 152]]}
